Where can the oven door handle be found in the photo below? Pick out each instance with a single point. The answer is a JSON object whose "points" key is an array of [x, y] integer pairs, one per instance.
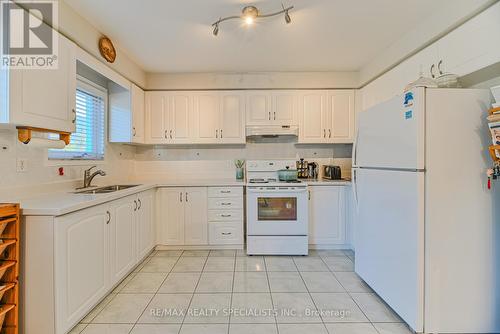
{"points": [[276, 190]]}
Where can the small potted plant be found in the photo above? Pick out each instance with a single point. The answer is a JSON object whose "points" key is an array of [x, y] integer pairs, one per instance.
{"points": [[239, 169]]}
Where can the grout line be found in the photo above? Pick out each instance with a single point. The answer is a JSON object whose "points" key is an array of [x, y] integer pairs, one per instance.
{"points": [[232, 292], [270, 294]]}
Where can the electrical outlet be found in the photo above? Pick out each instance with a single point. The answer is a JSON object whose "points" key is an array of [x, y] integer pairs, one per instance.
{"points": [[22, 165]]}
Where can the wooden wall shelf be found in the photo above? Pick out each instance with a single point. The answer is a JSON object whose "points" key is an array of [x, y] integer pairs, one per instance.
{"points": [[9, 268]]}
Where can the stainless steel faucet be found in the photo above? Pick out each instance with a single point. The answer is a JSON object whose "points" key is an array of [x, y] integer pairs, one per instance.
{"points": [[87, 177]]}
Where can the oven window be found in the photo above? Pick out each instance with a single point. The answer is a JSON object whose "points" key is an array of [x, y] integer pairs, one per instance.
{"points": [[277, 208]]}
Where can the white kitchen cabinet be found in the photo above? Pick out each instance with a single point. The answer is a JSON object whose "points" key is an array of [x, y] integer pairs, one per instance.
{"points": [[271, 107], [72, 261], [341, 123], [122, 233], [195, 213], [326, 117], [126, 114], [170, 216], [258, 105], [157, 117], [145, 223], [180, 114], [81, 266], [219, 117], [42, 98], [225, 216], [314, 118], [182, 216], [232, 118], [327, 215]]}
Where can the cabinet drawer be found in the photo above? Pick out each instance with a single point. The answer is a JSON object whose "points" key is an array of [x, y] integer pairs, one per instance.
{"points": [[225, 215], [230, 233], [225, 192], [225, 203]]}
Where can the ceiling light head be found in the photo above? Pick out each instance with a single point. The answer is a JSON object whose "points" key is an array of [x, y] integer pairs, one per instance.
{"points": [[288, 19], [216, 29], [249, 14]]}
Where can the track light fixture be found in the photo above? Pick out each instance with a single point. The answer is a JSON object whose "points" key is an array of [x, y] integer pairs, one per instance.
{"points": [[250, 14]]}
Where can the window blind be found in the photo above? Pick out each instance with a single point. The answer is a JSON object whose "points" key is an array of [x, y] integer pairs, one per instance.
{"points": [[87, 142]]}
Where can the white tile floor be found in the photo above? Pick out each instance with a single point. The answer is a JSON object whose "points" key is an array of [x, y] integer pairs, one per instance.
{"points": [[317, 294]]}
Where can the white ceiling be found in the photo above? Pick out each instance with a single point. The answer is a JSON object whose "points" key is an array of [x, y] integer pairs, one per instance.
{"points": [[325, 35]]}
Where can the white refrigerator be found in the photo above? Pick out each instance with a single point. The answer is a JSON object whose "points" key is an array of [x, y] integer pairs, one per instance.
{"points": [[427, 229]]}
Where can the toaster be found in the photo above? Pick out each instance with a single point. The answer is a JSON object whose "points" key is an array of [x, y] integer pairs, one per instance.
{"points": [[331, 172]]}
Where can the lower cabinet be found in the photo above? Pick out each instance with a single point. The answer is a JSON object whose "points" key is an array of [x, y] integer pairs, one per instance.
{"points": [[182, 215], [327, 215], [74, 260], [192, 216]]}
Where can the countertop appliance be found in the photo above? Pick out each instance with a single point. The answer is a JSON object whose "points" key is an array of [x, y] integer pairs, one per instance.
{"points": [[331, 172], [302, 169], [312, 170], [427, 230], [277, 212]]}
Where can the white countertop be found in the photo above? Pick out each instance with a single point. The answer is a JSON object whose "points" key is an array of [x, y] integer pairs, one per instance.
{"points": [[64, 202]]}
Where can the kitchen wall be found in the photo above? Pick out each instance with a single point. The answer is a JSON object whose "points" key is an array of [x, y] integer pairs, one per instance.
{"points": [[170, 163], [42, 175], [266, 80]]}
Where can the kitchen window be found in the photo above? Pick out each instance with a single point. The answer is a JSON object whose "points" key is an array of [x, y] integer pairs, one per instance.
{"points": [[87, 142]]}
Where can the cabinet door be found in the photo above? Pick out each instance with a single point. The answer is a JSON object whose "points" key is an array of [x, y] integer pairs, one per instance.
{"points": [[157, 117], [206, 107], [313, 117], [258, 105], [145, 226], [232, 118], [81, 264], [122, 237], [137, 96], [47, 98], [341, 106], [284, 108], [326, 215], [180, 110], [196, 221], [170, 203]]}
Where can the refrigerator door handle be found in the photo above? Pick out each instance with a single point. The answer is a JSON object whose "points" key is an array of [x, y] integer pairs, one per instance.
{"points": [[355, 150], [355, 189]]}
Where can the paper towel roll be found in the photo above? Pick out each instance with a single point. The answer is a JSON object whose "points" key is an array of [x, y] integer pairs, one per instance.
{"points": [[46, 143]]}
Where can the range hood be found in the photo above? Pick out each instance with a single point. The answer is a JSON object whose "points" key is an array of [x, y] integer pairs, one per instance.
{"points": [[272, 131]]}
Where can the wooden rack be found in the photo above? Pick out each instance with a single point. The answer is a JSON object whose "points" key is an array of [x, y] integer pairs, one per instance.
{"points": [[24, 134], [9, 268]]}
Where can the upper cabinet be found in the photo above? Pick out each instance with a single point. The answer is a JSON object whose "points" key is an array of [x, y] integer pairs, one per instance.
{"points": [[126, 114], [42, 98], [271, 107], [137, 97], [326, 116], [195, 117]]}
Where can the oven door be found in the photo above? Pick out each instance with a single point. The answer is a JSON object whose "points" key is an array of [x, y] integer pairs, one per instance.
{"points": [[277, 211]]}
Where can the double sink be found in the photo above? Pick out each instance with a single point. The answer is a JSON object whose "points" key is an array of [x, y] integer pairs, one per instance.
{"points": [[107, 189]]}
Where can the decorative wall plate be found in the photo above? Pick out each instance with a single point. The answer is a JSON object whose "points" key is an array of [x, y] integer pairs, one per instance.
{"points": [[107, 49]]}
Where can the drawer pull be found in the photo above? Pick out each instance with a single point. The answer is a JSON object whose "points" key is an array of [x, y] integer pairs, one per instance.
{"points": [[226, 216], [225, 191], [225, 203], [226, 233]]}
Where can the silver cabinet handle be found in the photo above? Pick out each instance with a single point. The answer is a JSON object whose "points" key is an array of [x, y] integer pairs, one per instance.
{"points": [[109, 217], [187, 197], [170, 134], [225, 203], [216, 133], [432, 71], [275, 115], [226, 233], [135, 205], [439, 67], [309, 194], [74, 116], [134, 132], [140, 204], [221, 133], [329, 133], [269, 115], [226, 216], [225, 191], [180, 197], [166, 135], [324, 133]]}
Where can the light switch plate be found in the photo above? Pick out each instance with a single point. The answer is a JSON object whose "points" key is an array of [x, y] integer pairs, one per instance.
{"points": [[22, 165]]}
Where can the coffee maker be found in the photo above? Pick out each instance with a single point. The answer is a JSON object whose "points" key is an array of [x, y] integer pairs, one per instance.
{"points": [[312, 170]]}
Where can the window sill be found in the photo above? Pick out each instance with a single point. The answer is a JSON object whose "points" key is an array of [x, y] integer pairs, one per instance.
{"points": [[62, 163]]}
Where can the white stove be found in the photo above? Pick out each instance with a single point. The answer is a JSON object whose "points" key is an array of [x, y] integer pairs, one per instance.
{"points": [[277, 212]]}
